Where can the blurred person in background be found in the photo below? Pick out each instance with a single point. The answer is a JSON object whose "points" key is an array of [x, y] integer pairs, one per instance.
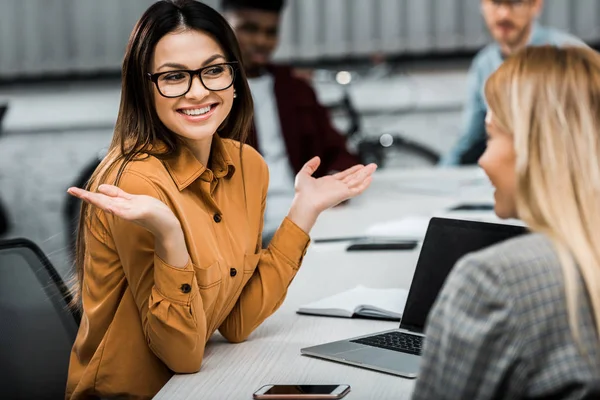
{"points": [[290, 126], [513, 25]]}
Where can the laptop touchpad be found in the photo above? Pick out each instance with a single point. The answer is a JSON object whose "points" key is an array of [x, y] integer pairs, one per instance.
{"points": [[389, 360]]}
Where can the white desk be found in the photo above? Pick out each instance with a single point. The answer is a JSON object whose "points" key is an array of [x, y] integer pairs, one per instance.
{"points": [[272, 353], [395, 194]]}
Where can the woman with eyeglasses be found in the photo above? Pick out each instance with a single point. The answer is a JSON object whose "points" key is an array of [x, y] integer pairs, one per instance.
{"points": [[521, 320], [169, 241]]}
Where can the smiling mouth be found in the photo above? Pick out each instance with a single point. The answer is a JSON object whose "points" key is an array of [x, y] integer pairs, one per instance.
{"points": [[196, 112]]}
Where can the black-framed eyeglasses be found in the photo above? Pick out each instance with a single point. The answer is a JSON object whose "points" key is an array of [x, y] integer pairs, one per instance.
{"points": [[176, 83]]}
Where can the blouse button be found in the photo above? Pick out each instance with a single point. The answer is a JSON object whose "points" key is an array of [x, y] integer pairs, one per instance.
{"points": [[185, 288], [233, 272]]}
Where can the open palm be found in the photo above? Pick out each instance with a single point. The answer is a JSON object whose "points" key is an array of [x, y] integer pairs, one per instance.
{"points": [[146, 211], [330, 190]]}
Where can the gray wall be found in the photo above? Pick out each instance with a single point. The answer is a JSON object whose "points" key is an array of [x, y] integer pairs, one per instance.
{"points": [[39, 37]]}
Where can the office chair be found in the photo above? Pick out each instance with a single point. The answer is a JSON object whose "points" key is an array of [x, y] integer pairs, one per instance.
{"points": [[4, 220], [72, 205], [37, 329], [3, 109], [377, 147]]}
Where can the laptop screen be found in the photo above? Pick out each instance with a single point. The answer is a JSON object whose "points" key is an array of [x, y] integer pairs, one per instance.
{"points": [[446, 241]]}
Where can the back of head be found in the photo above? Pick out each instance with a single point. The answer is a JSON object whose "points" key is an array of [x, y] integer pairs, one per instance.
{"points": [[261, 5], [548, 98]]}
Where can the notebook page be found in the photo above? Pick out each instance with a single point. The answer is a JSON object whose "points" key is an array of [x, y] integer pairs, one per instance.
{"points": [[389, 302]]}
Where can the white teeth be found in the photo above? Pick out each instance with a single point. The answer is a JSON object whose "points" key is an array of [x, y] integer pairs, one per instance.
{"points": [[197, 111]]}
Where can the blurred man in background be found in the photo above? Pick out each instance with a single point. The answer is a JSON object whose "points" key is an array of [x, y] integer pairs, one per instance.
{"points": [[513, 26], [290, 125]]}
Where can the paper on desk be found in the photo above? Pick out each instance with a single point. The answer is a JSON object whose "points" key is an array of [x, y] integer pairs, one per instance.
{"points": [[443, 185], [414, 227], [411, 228]]}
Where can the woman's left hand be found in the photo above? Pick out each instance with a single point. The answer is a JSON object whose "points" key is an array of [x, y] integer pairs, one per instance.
{"points": [[330, 190], [315, 195]]}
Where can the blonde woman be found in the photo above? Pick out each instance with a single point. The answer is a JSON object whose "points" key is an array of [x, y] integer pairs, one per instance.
{"points": [[520, 320]]}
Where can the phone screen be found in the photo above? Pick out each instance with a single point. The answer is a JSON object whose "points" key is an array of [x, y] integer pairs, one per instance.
{"points": [[302, 389]]}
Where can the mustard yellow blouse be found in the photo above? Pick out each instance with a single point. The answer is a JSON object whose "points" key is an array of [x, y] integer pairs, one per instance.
{"points": [[144, 320]]}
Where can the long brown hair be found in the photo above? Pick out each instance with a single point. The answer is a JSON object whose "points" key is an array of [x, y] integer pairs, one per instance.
{"points": [[138, 126], [548, 98]]}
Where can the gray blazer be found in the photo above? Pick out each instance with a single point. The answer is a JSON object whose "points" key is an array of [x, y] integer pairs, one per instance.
{"points": [[500, 330]]}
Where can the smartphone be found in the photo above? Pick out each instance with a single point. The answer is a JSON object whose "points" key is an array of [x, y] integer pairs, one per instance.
{"points": [[302, 392]]}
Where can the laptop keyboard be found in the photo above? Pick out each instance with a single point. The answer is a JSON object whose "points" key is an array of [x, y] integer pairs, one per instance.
{"points": [[396, 341]]}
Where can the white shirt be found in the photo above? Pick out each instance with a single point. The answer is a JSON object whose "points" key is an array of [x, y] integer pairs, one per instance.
{"points": [[273, 150]]}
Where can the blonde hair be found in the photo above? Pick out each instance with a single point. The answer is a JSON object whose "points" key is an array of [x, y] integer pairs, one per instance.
{"points": [[548, 98]]}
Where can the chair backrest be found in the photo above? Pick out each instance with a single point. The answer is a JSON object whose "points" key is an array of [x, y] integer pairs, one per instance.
{"points": [[37, 329], [3, 109], [73, 204], [4, 220]]}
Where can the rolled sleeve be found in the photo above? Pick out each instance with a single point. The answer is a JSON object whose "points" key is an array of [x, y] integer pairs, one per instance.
{"points": [[291, 242], [174, 284]]}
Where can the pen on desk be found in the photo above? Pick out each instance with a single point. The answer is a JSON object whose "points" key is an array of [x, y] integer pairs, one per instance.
{"points": [[383, 245], [340, 239], [473, 207]]}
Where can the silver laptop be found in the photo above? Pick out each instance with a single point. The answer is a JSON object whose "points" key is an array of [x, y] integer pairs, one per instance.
{"points": [[398, 351]]}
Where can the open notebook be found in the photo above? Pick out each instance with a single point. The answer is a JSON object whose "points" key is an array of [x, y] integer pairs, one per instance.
{"points": [[360, 301]]}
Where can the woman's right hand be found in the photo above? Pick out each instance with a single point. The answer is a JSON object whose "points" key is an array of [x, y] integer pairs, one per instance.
{"points": [[146, 211]]}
